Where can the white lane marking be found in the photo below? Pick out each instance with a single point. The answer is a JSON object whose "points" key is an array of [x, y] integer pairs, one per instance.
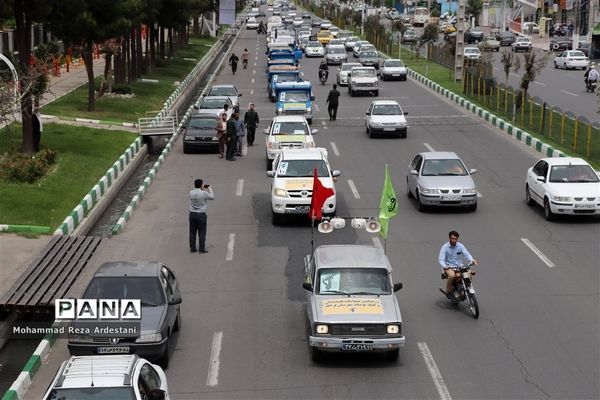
{"points": [[323, 122], [215, 361], [377, 243], [429, 147], [244, 149], [230, 246], [479, 194], [569, 93], [251, 91], [254, 71], [252, 81], [239, 188], [434, 372], [353, 188], [316, 107], [540, 83], [335, 149], [538, 253]]}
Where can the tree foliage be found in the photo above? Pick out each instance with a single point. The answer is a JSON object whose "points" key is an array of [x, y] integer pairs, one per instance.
{"points": [[510, 62], [474, 7], [532, 63]]}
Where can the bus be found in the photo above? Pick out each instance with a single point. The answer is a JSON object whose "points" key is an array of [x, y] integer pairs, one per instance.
{"points": [[420, 16]]}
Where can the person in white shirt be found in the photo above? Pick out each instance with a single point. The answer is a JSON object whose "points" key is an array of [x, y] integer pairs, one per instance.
{"points": [[199, 197]]}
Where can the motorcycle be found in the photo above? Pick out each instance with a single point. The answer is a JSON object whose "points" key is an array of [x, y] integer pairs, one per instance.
{"points": [[590, 86], [323, 73], [463, 289]]}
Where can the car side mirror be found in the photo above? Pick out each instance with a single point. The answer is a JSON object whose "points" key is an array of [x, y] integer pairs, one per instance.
{"points": [[541, 179], [367, 113], [397, 286], [175, 300], [312, 98], [270, 174], [266, 131], [314, 131], [307, 286], [405, 112], [473, 171], [414, 172], [240, 94], [335, 173], [196, 108]]}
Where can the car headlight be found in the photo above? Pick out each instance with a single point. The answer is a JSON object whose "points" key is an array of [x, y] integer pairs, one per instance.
{"points": [[322, 329], [430, 191], [308, 109], [188, 138], [561, 198], [393, 329], [376, 83], [273, 145], [278, 192], [376, 123], [469, 191], [279, 111], [149, 337], [309, 145]]}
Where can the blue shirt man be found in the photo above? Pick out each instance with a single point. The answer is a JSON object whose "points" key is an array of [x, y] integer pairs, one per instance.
{"points": [[453, 254]]}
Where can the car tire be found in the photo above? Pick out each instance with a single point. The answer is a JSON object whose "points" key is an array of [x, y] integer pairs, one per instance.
{"points": [[420, 206], [392, 355], [309, 121], [316, 355], [548, 214], [472, 207], [163, 361], [555, 65], [408, 192], [177, 325], [185, 149], [530, 202], [269, 164], [383, 77], [276, 219], [376, 93], [370, 133]]}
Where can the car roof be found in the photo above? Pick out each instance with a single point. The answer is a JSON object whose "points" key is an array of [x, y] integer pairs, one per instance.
{"points": [[222, 86], [318, 153], [129, 268], [565, 161], [98, 370], [435, 155], [204, 115], [290, 118], [392, 59], [224, 98], [350, 256], [384, 102]]}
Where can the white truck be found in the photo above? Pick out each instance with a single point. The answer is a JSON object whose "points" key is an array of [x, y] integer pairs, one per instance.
{"points": [[363, 79]]}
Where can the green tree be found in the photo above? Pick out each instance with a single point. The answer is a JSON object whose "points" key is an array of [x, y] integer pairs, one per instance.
{"points": [[474, 8], [533, 63]]}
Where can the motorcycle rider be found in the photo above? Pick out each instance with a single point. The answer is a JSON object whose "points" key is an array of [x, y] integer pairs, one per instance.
{"points": [[591, 75], [452, 255], [324, 67], [245, 56]]}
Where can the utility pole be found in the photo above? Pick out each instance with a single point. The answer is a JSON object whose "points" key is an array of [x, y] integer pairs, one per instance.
{"points": [[459, 62], [362, 20]]}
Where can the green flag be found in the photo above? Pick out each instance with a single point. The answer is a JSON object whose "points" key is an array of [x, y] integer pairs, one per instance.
{"points": [[388, 207]]}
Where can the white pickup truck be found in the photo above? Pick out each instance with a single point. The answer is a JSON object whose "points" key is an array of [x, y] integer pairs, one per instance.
{"points": [[363, 79]]}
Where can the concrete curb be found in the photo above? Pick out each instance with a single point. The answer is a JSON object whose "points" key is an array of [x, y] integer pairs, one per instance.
{"points": [[90, 121], [519, 134]]}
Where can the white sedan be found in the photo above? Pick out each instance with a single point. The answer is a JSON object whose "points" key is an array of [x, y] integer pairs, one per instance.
{"points": [[314, 49], [563, 185], [571, 59], [386, 117]]}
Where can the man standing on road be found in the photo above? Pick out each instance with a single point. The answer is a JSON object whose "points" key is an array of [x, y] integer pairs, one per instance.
{"points": [[199, 197], [240, 132], [222, 133], [251, 120], [231, 137], [332, 100]]}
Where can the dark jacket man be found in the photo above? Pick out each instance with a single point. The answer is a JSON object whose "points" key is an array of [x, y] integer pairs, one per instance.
{"points": [[231, 137], [251, 120], [332, 101]]}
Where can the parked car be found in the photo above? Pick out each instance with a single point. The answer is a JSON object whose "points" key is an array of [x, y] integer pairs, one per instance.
{"points": [[571, 59], [441, 179], [560, 44], [127, 377], [214, 104], [156, 286], [386, 117], [474, 36], [522, 43], [505, 38], [393, 69], [200, 133], [530, 28], [489, 43], [563, 185]]}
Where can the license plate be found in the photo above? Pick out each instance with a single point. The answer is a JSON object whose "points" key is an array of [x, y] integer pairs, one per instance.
{"points": [[357, 347], [451, 197], [389, 129], [113, 350], [395, 74], [585, 205], [302, 208]]}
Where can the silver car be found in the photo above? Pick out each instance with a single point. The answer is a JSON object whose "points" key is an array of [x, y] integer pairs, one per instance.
{"points": [[226, 90], [336, 55], [350, 302], [441, 179], [350, 42], [393, 69], [343, 71], [369, 58]]}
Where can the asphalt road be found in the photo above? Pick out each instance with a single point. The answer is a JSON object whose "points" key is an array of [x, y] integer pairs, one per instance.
{"points": [[537, 336]]}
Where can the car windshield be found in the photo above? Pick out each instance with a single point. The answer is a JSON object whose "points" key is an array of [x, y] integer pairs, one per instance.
{"points": [[348, 67], [393, 64], [302, 168], [387, 109], [336, 50], [147, 289], [351, 39], [446, 167], [572, 174], [314, 44], [471, 51], [323, 34], [223, 91], [294, 96], [286, 78], [332, 281], [577, 54], [369, 54], [99, 393], [289, 128], [363, 72], [202, 123], [214, 103]]}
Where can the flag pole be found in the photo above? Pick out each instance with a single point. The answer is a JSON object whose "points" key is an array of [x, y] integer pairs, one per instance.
{"points": [[312, 237]]}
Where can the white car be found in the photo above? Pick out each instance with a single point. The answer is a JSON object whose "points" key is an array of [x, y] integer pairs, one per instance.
{"points": [[393, 69], [107, 377], [314, 49], [226, 90], [563, 185], [386, 117], [334, 31], [292, 184], [350, 42], [363, 79], [530, 27], [521, 43], [287, 132], [571, 59], [343, 71], [325, 24], [297, 21], [363, 47], [471, 53], [252, 23]]}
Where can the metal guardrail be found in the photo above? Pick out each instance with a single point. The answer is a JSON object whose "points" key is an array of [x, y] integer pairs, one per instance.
{"points": [[154, 127]]}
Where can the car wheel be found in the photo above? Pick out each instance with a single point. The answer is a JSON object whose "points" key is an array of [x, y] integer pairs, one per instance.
{"points": [[309, 121], [316, 355], [376, 93], [269, 164], [555, 65], [473, 207], [420, 206], [177, 325], [163, 361], [528, 198], [392, 355], [351, 93], [276, 219], [370, 132], [382, 77], [185, 149], [408, 192], [548, 214]]}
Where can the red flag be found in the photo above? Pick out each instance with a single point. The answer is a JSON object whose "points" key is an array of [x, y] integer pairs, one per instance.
{"points": [[319, 195]]}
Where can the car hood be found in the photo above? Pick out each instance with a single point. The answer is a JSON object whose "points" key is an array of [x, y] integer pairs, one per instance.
{"points": [[300, 183], [394, 70], [364, 79], [152, 318], [388, 118], [364, 309], [448, 182], [205, 132], [575, 189]]}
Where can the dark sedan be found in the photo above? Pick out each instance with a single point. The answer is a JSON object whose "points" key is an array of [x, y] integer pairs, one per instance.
{"points": [[505, 38], [200, 133], [155, 287], [561, 44], [474, 36]]}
